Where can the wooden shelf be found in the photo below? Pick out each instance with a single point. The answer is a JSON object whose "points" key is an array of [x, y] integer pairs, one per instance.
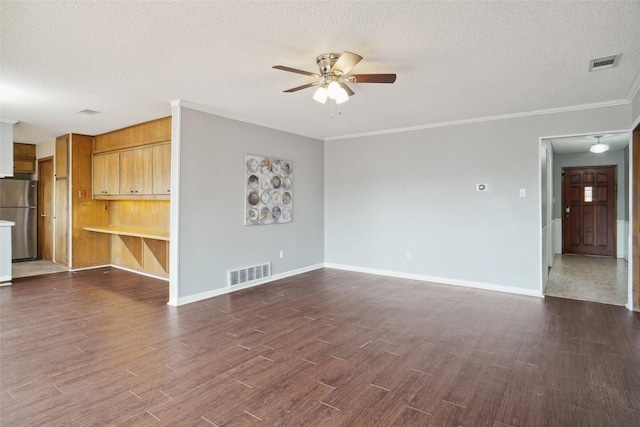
{"points": [[133, 232], [135, 238]]}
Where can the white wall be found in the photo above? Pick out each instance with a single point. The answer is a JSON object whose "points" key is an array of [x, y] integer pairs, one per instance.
{"points": [[415, 191], [46, 149], [211, 200]]}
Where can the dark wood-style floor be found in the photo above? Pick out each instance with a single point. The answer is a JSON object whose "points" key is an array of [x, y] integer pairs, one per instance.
{"points": [[325, 348]]}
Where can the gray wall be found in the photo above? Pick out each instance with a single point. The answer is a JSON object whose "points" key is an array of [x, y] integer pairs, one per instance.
{"points": [[387, 194], [607, 158], [213, 238]]}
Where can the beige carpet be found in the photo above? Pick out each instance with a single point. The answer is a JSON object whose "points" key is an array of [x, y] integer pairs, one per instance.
{"points": [[589, 278]]}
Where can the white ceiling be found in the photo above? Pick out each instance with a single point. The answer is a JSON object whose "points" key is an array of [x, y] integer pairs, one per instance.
{"points": [[454, 61]]}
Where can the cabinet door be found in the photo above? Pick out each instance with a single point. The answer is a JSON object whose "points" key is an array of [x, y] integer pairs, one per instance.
{"points": [[162, 169], [62, 221], [62, 156], [98, 175], [112, 173], [142, 170], [127, 172]]}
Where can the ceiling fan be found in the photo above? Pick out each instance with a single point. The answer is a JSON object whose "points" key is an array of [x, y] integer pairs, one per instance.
{"points": [[334, 76]]}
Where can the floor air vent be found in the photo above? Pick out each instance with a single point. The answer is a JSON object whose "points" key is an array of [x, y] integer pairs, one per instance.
{"points": [[248, 274]]}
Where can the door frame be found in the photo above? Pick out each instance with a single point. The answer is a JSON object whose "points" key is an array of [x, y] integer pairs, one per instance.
{"points": [[41, 204], [613, 221], [633, 247]]}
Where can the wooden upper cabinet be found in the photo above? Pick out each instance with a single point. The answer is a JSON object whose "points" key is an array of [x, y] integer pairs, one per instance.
{"points": [[24, 158], [135, 171], [62, 156], [162, 169], [106, 174]]}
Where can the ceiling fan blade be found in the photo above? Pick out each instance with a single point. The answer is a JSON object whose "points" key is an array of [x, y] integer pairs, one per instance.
{"points": [[295, 70], [295, 89], [345, 63], [348, 89], [372, 78]]}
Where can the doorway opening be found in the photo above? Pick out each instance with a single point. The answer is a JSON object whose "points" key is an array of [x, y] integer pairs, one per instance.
{"points": [[585, 217], [44, 264]]}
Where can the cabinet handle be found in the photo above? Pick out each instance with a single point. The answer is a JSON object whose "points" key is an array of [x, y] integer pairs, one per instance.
{"points": [[132, 191], [168, 191]]}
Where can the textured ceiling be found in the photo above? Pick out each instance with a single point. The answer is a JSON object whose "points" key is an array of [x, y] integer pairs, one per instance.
{"points": [[454, 61]]}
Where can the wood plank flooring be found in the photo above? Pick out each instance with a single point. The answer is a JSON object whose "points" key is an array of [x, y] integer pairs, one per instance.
{"points": [[325, 348]]}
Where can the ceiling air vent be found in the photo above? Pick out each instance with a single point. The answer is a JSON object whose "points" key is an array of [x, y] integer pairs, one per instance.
{"points": [[605, 62], [89, 112]]}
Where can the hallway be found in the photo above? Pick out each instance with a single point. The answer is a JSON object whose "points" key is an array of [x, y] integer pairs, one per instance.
{"points": [[589, 278]]}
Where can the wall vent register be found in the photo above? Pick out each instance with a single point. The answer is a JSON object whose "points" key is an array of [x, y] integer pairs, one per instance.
{"points": [[248, 274]]}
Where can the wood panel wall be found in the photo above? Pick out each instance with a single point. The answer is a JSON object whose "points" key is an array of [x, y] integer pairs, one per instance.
{"points": [[89, 249], [141, 134], [635, 203], [148, 214]]}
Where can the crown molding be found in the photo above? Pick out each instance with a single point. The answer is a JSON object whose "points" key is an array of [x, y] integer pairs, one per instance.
{"points": [[486, 119], [202, 108]]}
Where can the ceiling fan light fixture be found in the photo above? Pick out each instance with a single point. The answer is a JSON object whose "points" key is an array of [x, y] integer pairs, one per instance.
{"points": [[598, 147], [342, 96], [320, 95], [333, 90]]}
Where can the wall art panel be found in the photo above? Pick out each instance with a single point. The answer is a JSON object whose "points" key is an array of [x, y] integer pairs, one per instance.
{"points": [[268, 190]]}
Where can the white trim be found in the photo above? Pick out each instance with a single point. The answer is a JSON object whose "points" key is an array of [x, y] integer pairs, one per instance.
{"points": [[119, 267], [139, 272], [11, 122], [5, 280], [227, 290], [440, 280], [174, 204], [487, 119], [93, 267], [204, 109]]}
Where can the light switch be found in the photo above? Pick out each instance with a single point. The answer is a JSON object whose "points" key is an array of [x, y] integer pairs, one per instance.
{"points": [[523, 192]]}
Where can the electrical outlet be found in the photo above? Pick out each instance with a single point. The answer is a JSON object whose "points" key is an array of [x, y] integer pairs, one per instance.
{"points": [[408, 254], [281, 253]]}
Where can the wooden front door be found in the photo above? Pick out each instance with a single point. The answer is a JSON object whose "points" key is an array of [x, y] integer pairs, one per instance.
{"points": [[45, 209], [589, 210]]}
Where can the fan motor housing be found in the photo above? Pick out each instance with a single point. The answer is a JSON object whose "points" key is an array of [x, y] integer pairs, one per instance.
{"points": [[325, 62]]}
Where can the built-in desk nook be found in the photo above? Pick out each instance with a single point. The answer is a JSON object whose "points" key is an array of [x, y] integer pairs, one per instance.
{"points": [[136, 239]]}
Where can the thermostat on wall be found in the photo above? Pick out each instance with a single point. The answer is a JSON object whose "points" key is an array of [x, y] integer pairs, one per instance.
{"points": [[481, 187]]}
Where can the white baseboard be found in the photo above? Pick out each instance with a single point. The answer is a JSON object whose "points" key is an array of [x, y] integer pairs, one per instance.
{"points": [[441, 280], [221, 291], [120, 268]]}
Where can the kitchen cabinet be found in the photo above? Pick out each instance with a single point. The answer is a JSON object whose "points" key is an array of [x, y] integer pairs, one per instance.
{"points": [[5, 252], [6, 148], [161, 183], [24, 158], [135, 171], [106, 174], [62, 156]]}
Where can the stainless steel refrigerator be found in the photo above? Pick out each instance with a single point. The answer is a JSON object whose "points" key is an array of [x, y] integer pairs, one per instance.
{"points": [[18, 203]]}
